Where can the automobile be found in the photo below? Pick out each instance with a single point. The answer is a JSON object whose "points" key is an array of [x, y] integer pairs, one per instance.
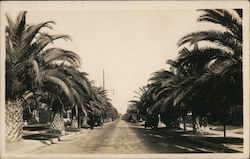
{"points": [[98, 120], [152, 121]]}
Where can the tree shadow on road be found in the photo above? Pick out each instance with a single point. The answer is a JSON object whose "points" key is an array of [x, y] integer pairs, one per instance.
{"points": [[175, 142], [41, 136], [220, 140]]}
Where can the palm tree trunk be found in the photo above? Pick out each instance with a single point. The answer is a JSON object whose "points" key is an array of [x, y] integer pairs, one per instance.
{"points": [[57, 124], [79, 121], [224, 123], [184, 123], [84, 121], [224, 128], [74, 123], [196, 124], [193, 122], [14, 121]]}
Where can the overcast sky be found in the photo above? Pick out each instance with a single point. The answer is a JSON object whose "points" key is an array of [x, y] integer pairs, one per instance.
{"points": [[129, 45]]}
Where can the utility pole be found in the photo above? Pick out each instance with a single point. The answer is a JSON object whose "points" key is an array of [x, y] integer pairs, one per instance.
{"points": [[103, 79], [103, 82]]}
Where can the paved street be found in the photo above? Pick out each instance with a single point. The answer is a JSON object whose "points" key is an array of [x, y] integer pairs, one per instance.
{"points": [[120, 137]]}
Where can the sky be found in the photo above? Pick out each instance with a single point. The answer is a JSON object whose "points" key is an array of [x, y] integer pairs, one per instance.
{"points": [[129, 45]]}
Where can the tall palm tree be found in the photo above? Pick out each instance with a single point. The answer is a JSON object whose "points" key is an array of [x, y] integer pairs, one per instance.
{"points": [[167, 86], [202, 79], [222, 60], [18, 42], [144, 101], [32, 69], [78, 85], [102, 104]]}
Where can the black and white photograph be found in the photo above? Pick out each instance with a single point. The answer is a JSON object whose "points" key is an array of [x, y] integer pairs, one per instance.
{"points": [[124, 79]]}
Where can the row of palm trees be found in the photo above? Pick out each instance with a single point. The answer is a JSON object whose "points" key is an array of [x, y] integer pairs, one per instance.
{"points": [[206, 78], [37, 71]]}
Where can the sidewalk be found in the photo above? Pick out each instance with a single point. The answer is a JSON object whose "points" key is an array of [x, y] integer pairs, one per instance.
{"points": [[38, 139], [218, 131]]}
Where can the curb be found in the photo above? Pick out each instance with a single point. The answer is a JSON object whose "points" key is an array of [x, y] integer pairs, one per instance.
{"points": [[54, 141], [67, 137], [26, 133], [48, 142]]}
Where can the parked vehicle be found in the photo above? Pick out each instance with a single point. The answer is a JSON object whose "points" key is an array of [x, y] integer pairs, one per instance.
{"points": [[91, 121], [151, 121], [98, 120]]}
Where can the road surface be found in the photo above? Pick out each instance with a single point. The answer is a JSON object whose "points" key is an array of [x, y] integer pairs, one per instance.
{"points": [[120, 137]]}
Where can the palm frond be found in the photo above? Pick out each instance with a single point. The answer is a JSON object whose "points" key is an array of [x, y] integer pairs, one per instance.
{"points": [[44, 39], [155, 109], [183, 90], [225, 18], [36, 70], [161, 75], [57, 54], [167, 103], [224, 39], [78, 78], [28, 36], [58, 82]]}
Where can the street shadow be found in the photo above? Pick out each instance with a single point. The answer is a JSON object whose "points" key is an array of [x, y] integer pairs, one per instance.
{"points": [[41, 136], [164, 142], [159, 142], [176, 131], [224, 140], [35, 128]]}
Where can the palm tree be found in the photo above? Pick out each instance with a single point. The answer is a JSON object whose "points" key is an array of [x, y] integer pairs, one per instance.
{"points": [[203, 79], [133, 113], [166, 87], [78, 85], [143, 102], [102, 104], [18, 64], [32, 69], [221, 61]]}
